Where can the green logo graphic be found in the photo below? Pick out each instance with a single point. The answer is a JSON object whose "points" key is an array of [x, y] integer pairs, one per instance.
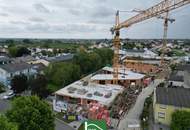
{"points": [[95, 125]]}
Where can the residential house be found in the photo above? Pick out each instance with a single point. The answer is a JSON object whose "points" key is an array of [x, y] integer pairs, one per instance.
{"points": [[27, 59], [39, 68], [184, 70], [167, 101], [7, 71], [61, 58], [176, 80], [5, 60], [144, 53]]}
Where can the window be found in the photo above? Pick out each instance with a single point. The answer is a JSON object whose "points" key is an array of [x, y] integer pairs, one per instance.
{"points": [[102, 82], [161, 115], [88, 102], [163, 106], [112, 82]]}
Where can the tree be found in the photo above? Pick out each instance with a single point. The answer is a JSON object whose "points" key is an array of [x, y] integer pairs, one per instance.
{"points": [[46, 45], [22, 51], [39, 86], [90, 62], [10, 41], [18, 51], [12, 51], [19, 83], [180, 120], [129, 45], [31, 113], [5, 125], [26, 41], [83, 60], [106, 55], [55, 51], [62, 73], [95, 62]]}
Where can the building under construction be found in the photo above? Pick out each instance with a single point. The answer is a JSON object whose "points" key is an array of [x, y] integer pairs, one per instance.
{"points": [[126, 77], [143, 66]]}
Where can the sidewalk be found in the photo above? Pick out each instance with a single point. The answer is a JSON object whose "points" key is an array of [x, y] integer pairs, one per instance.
{"points": [[75, 124]]}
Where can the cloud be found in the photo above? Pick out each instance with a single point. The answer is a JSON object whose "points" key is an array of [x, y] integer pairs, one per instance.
{"points": [[83, 19], [39, 27], [4, 14], [19, 22], [75, 12], [41, 8], [36, 19], [102, 11]]}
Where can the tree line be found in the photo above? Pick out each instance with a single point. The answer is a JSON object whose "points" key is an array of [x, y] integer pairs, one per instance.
{"points": [[58, 75], [63, 73]]}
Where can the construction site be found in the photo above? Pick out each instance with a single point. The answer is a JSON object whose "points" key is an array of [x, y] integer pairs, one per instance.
{"points": [[112, 91]]}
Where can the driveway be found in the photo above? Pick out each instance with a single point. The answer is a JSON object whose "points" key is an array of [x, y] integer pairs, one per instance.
{"points": [[4, 105], [132, 118]]}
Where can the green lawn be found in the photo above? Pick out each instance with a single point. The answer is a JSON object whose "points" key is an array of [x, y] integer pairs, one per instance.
{"points": [[177, 52], [52, 88]]}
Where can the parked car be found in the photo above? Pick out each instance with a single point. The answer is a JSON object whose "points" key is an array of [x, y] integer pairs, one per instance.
{"points": [[9, 95]]}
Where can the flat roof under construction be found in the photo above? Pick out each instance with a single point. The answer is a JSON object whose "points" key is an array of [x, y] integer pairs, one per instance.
{"points": [[120, 77], [124, 74], [104, 94]]}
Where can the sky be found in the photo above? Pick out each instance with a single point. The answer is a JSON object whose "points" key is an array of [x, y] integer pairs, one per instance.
{"points": [[84, 19]]}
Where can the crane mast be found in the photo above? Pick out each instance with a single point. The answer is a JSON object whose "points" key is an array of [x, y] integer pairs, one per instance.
{"points": [[164, 38], [116, 50], [166, 20], [160, 8]]}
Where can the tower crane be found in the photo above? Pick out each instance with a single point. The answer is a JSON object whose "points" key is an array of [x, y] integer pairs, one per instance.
{"points": [[160, 8], [166, 20]]}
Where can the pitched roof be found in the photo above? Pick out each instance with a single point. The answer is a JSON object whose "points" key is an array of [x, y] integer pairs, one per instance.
{"points": [[185, 67], [135, 51], [15, 67], [175, 77], [179, 97], [4, 58], [60, 58], [39, 67], [24, 59]]}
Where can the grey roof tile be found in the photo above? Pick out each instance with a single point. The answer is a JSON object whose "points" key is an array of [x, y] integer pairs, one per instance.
{"points": [[15, 67], [179, 97]]}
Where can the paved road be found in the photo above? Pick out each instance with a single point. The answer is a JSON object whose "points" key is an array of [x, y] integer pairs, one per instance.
{"points": [[60, 125], [134, 113], [4, 105]]}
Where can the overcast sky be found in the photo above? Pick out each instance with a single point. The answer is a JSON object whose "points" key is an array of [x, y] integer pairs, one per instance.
{"points": [[83, 19]]}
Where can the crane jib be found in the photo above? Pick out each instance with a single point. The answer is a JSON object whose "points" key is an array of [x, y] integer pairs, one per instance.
{"points": [[160, 8]]}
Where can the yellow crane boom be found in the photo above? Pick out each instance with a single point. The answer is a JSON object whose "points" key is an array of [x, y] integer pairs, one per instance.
{"points": [[158, 9]]}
